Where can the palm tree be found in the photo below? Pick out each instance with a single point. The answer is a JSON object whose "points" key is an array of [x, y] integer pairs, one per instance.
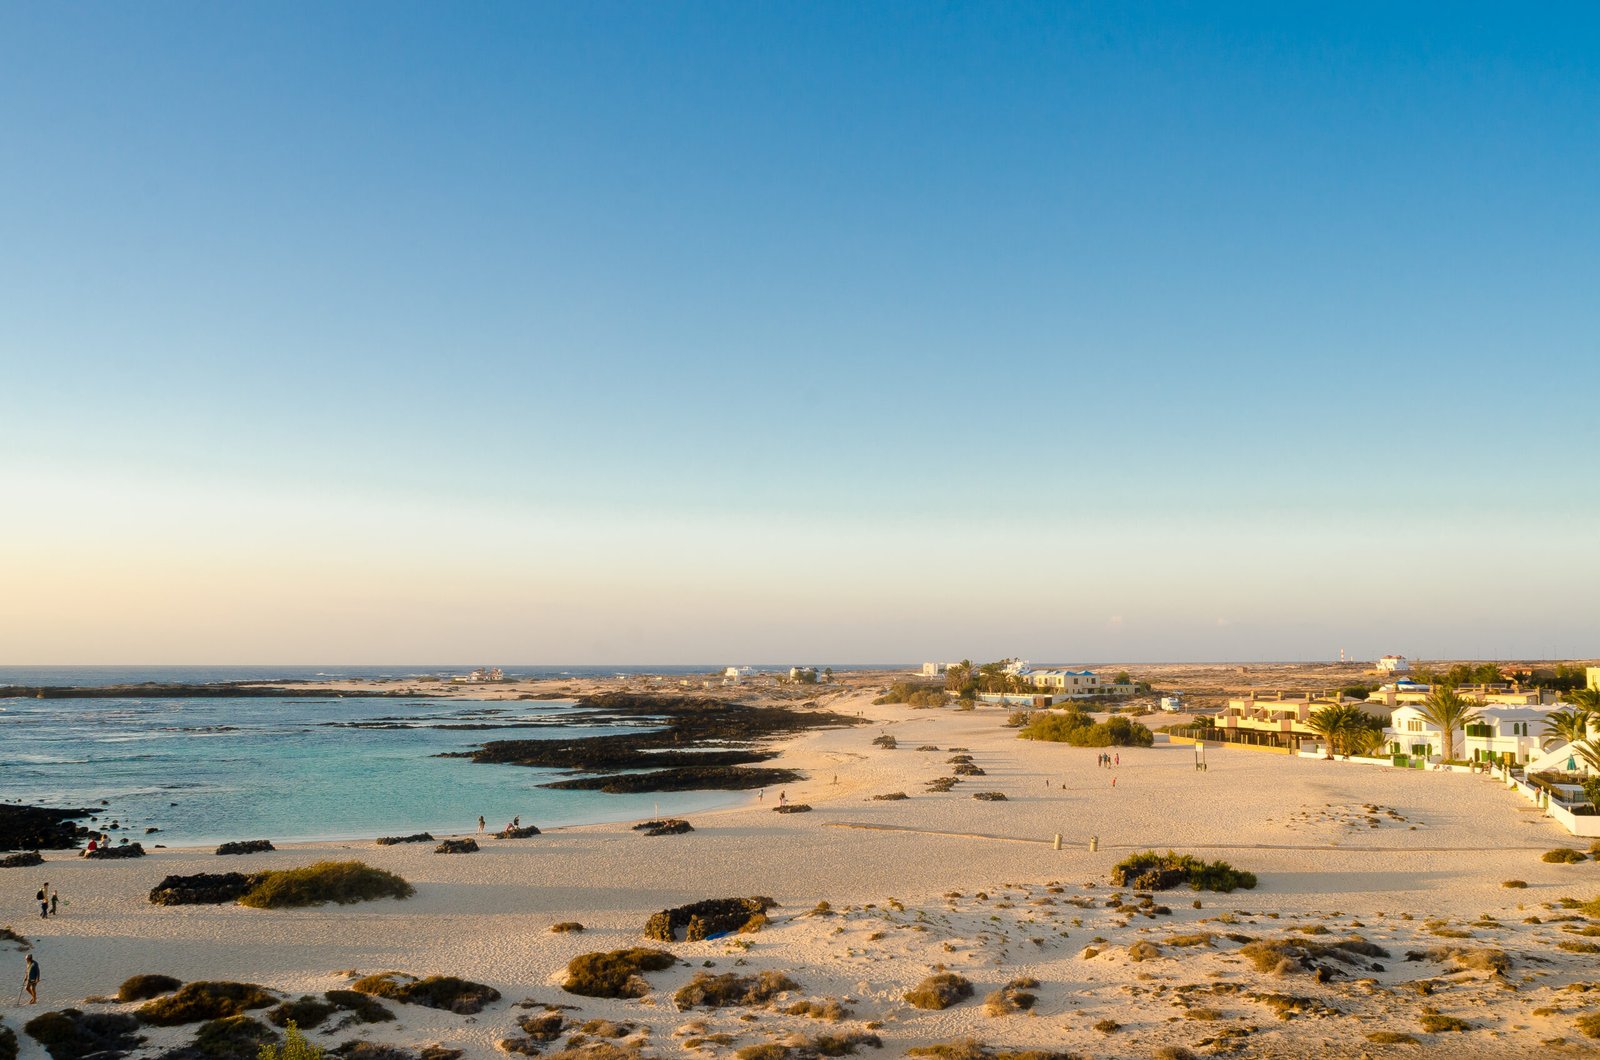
{"points": [[1338, 723], [1587, 699], [1450, 710], [1565, 726]]}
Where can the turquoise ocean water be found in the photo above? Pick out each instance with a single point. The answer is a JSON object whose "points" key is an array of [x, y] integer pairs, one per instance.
{"points": [[206, 770]]}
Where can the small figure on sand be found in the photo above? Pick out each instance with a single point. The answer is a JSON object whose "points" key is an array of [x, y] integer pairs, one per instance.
{"points": [[761, 796], [480, 822], [54, 898], [30, 980], [783, 798], [1118, 759], [43, 898]]}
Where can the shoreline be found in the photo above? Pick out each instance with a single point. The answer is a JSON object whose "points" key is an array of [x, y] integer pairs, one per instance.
{"points": [[875, 895]]}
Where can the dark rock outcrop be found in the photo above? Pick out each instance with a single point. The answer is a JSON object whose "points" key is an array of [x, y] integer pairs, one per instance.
{"points": [[793, 807], [526, 831], [246, 846], [23, 860], [391, 840], [41, 827], [669, 826], [202, 888], [697, 778], [714, 916], [124, 850], [457, 846]]}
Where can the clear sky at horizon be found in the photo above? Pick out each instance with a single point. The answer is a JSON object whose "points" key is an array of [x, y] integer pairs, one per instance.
{"points": [[674, 332]]}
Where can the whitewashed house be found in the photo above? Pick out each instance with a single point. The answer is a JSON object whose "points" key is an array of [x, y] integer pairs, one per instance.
{"points": [[1502, 732], [1394, 664]]}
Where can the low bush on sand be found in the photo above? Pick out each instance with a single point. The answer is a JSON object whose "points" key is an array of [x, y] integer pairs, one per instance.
{"points": [[1016, 996], [721, 991], [1470, 958], [71, 1034], [294, 1047], [343, 882], [826, 1008], [362, 1007], [971, 1049], [304, 1011], [940, 990], [709, 918], [1149, 871], [1519, 884], [436, 991], [1287, 956], [1393, 1038], [1080, 730], [841, 1044], [893, 796], [1437, 1023], [1590, 1024], [196, 1002], [234, 1038], [615, 973], [1143, 950], [145, 987], [565, 927], [1563, 856]]}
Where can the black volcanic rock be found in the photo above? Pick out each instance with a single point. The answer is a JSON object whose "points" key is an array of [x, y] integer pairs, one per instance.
{"points": [[41, 827], [202, 888], [246, 846]]}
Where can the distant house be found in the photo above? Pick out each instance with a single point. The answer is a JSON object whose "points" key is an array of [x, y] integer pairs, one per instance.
{"points": [[933, 669], [1394, 664], [1280, 719], [1068, 683], [1505, 732], [734, 674], [1171, 703], [480, 676]]}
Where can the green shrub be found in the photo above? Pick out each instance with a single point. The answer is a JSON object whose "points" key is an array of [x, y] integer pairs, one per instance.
{"points": [[306, 1011], [615, 973], [1515, 883], [203, 1001], [1590, 1024], [145, 987], [1435, 1023], [1564, 856], [1149, 871], [1392, 1038], [1012, 998], [436, 991], [914, 694], [294, 1047], [70, 1034], [1078, 729], [234, 1038], [365, 1009], [720, 991], [326, 881], [565, 927], [939, 991]]}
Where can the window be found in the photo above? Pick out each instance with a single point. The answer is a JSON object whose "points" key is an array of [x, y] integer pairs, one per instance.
{"points": [[1414, 725]]}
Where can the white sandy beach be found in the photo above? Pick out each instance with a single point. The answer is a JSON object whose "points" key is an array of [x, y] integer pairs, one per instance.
{"points": [[934, 880]]}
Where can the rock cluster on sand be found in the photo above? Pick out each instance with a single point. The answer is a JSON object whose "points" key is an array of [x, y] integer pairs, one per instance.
{"points": [[392, 840], [124, 850], [668, 826], [457, 846], [246, 846], [707, 919], [202, 888]]}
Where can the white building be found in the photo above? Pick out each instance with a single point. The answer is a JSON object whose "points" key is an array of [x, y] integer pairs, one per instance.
{"points": [[1501, 732], [1394, 664], [933, 669], [1593, 675], [1073, 682], [1171, 703]]}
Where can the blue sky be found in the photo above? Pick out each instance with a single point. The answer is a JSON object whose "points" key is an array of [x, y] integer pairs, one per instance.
{"points": [[655, 332]]}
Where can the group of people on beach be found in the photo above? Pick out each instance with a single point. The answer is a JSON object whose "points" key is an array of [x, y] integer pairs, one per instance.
{"points": [[1110, 761]]}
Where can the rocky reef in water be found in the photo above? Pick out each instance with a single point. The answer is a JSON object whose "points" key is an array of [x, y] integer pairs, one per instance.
{"points": [[41, 827], [674, 757], [220, 690]]}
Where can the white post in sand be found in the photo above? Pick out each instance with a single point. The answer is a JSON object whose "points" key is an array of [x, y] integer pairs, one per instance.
{"points": [[1094, 843], [1057, 843]]}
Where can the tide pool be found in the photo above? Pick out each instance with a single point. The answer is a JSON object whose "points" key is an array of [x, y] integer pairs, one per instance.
{"points": [[207, 770]]}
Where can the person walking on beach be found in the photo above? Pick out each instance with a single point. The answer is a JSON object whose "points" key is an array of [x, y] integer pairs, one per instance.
{"points": [[1119, 758], [480, 822], [44, 902], [783, 798], [54, 898], [30, 980]]}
